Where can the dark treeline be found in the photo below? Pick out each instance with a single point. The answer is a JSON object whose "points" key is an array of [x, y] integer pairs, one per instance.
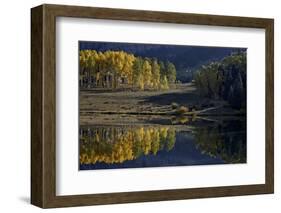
{"points": [[225, 80]]}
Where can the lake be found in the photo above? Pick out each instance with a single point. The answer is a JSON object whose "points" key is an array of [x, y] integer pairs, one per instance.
{"points": [[174, 141]]}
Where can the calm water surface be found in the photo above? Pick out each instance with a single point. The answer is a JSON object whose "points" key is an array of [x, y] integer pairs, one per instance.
{"points": [[154, 145]]}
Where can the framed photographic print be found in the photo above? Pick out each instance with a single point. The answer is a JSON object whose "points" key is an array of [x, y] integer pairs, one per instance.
{"points": [[136, 106]]}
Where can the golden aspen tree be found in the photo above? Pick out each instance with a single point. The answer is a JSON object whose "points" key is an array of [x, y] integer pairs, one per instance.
{"points": [[110, 68], [138, 79], [147, 73], [155, 74]]}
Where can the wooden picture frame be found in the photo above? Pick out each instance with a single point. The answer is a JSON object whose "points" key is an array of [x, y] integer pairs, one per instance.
{"points": [[43, 105]]}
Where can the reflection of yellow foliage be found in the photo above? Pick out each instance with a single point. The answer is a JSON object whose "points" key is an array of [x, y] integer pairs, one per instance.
{"points": [[163, 132], [155, 142], [183, 120], [194, 117], [119, 144]]}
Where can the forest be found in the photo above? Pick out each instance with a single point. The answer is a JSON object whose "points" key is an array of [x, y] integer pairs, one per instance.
{"points": [[112, 69], [145, 105], [225, 79]]}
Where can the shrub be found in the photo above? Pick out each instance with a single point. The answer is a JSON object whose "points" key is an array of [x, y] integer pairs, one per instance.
{"points": [[174, 105], [182, 110]]}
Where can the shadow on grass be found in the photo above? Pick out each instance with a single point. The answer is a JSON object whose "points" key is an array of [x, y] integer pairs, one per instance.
{"points": [[184, 98]]}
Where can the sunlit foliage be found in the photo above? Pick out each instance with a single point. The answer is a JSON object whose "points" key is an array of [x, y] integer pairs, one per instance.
{"points": [[112, 69]]}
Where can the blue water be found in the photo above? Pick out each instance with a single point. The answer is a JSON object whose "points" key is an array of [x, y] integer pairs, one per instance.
{"points": [[184, 153], [213, 144]]}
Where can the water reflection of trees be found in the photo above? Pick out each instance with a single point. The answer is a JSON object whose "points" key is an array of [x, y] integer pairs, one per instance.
{"points": [[225, 141], [118, 144]]}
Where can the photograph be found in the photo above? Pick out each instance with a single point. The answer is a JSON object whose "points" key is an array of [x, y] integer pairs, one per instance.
{"points": [[145, 105], [158, 105]]}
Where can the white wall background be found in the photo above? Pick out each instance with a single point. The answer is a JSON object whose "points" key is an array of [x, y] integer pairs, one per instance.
{"points": [[15, 104]]}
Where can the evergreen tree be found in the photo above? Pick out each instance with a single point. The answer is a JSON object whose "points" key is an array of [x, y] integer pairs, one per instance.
{"points": [[225, 79]]}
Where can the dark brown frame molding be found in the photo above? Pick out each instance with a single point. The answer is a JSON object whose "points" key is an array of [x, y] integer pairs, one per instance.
{"points": [[43, 105]]}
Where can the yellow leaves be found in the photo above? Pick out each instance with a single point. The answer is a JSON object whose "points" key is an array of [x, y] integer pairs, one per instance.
{"points": [[164, 83], [119, 145], [147, 142], [147, 73], [163, 132], [97, 137], [117, 67]]}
